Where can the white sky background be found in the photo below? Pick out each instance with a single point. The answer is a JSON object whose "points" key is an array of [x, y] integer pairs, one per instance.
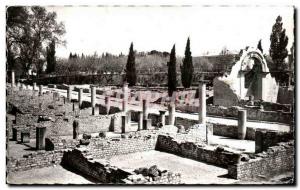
{"points": [[112, 29]]}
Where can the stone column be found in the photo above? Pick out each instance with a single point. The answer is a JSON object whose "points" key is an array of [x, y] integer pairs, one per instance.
{"points": [[209, 133], [202, 103], [75, 129], [40, 138], [69, 94], [262, 86], [251, 100], [14, 134], [12, 79], [80, 98], [40, 90], [171, 110], [93, 99], [125, 97], [162, 115], [34, 86], [25, 137], [124, 123], [107, 104], [242, 122], [145, 108], [140, 123]]}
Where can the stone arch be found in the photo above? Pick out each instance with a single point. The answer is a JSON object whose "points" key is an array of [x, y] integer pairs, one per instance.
{"points": [[256, 54]]}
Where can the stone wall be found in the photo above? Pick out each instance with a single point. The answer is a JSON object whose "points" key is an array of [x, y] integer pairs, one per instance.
{"points": [[107, 148], [81, 161], [57, 143], [232, 131], [252, 114], [275, 160], [267, 138], [197, 152], [38, 159], [100, 171]]}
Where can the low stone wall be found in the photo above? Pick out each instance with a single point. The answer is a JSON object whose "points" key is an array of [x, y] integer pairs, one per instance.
{"points": [[252, 114], [197, 152], [275, 160], [56, 143], [267, 138], [38, 159], [107, 148], [232, 131], [101, 171]]}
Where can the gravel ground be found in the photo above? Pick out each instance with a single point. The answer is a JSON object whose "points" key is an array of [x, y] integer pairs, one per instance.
{"points": [[48, 175]]}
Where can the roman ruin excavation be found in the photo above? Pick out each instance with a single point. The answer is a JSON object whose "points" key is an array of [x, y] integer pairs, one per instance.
{"points": [[103, 134], [88, 114]]}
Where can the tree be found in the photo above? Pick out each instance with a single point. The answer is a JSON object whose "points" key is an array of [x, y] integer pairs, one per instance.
{"points": [[187, 69], [50, 57], [130, 67], [259, 46], [279, 41], [38, 28], [15, 25], [172, 82]]}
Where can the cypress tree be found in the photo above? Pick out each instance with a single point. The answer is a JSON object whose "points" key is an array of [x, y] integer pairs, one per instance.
{"points": [[51, 60], [172, 82], [279, 41], [187, 69], [130, 67], [259, 46]]}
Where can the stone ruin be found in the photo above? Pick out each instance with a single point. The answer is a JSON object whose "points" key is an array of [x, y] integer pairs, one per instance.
{"points": [[249, 77]]}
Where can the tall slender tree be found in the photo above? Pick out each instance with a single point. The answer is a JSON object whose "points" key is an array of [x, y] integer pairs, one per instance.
{"points": [[130, 67], [259, 46], [172, 81], [51, 59], [187, 69], [279, 41]]}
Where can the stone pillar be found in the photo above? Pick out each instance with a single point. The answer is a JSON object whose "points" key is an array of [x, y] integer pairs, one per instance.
{"points": [[171, 109], [147, 123], [25, 137], [140, 120], [75, 129], [80, 98], [145, 109], [242, 122], [107, 104], [40, 138], [202, 103], [93, 100], [40, 90], [13, 79], [209, 134], [124, 125], [69, 94], [125, 97], [162, 115], [251, 100], [34, 86], [14, 134], [23, 86], [262, 86], [259, 139], [242, 84]]}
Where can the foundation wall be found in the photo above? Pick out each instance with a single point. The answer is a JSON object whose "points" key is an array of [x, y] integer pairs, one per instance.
{"points": [[197, 152], [275, 160]]}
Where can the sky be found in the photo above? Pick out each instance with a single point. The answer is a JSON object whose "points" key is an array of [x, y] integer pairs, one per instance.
{"points": [[111, 29]]}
